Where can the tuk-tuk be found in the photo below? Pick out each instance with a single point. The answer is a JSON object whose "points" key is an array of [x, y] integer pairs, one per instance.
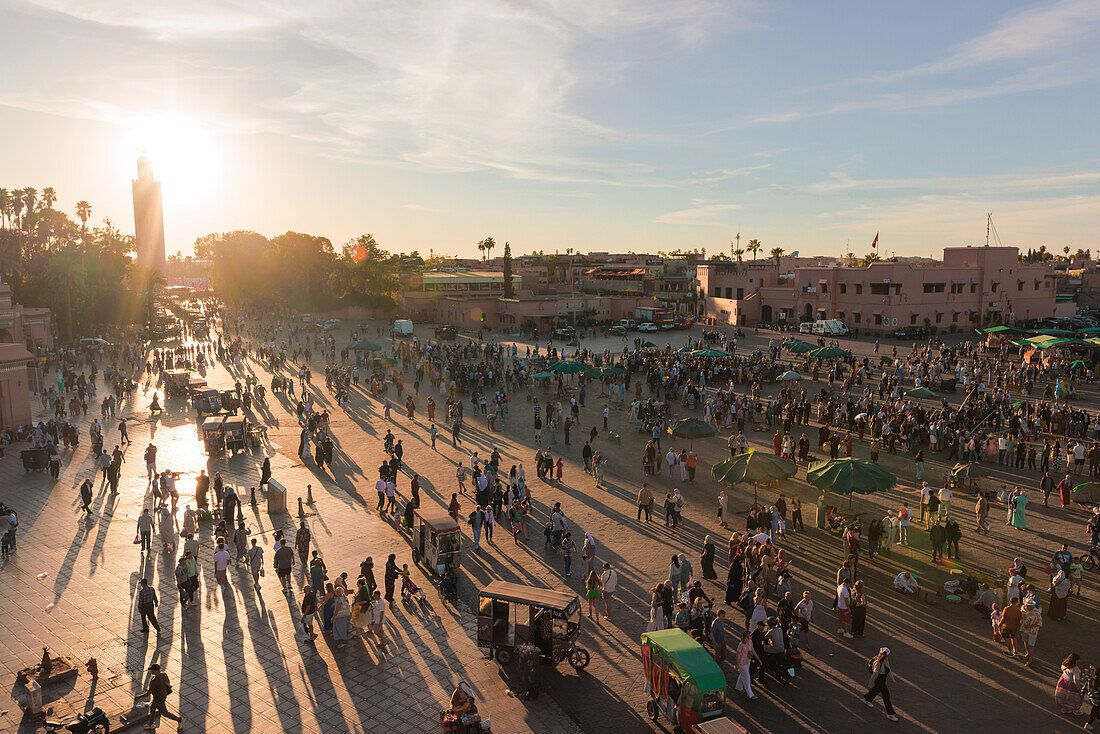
{"points": [[194, 385], [510, 615], [436, 540], [207, 401], [176, 381], [213, 437], [682, 679], [230, 401], [236, 434]]}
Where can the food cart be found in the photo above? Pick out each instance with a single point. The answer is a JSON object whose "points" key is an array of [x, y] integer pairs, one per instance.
{"points": [[719, 726], [207, 401], [213, 437], [176, 382], [230, 401], [682, 679], [436, 540], [510, 615], [36, 459], [236, 434]]}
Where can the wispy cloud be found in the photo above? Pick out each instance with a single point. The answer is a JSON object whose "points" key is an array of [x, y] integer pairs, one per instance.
{"points": [[1031, 182], [719, 175], [700, 213]]}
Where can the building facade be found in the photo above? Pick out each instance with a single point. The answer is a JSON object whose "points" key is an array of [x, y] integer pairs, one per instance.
{"points": [[148, 218], [971, 287], [23, 331]]}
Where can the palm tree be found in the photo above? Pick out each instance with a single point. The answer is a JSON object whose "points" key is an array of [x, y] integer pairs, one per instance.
{"points": [[738, 253], [754, 247], [64, 276], [49, 196], [83, 213], [777, 252], [485, 246], [30, 198], [17, 207], [5, 207]]}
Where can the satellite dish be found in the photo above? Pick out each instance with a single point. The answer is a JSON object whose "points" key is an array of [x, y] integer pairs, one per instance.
{"points": [[794, 254]]}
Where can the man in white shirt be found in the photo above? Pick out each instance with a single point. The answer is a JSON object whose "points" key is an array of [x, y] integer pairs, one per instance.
{"points": [[221, 563], [945, 503], [391, 496], [1079, 458], [906, 582], [609, 579], [925, 496], [380, 488], [670, 459], [1002, 447], [844, 609], [378, 618]]}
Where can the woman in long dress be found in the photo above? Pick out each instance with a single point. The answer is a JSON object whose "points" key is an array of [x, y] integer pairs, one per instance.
{"points": [[706, 561], [656, 612], [1067, 692], [1019, 512], [723, 501], [735, 581], [1060, 587]]}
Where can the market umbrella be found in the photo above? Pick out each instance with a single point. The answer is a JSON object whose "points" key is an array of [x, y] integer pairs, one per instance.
{"points": [[1086, 493], [790, 376], [611, 371], [755, 467], [921, 392], [710, 353], [648, 345], [798, 346], [365, 346], [828, 352], [969, 471], [849, 476], [542, 375], [1079, 363], [567, 367], [691, 429]]}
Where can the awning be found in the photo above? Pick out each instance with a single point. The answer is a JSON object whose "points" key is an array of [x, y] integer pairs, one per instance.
{"points": [[958, 282]]}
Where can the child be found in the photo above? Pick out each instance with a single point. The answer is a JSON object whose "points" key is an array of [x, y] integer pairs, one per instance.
{"points": [[559, 467], [1075, 569], [5, 544], [433, 432]]}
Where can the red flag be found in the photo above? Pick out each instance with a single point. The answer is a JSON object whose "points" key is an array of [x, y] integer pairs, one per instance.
{"points": [[875, 243]]}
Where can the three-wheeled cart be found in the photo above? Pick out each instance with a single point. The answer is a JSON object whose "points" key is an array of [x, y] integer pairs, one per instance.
{"points": [[436, 540], [509, 615], [213, 435], [36, 459], [236, 434]]}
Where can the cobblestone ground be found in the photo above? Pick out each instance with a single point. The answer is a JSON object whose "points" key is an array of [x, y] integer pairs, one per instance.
{"points": [[237, 663]]}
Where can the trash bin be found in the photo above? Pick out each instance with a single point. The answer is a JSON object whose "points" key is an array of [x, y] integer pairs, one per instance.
{"points": [[34, 698], [276, 498]]}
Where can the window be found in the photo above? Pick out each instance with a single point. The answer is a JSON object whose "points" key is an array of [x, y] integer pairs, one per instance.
{"points": [[935, 287], [840, 315], [973, 287], [824, 287], [1036, 286], [729, 293], [717, 291], [956, 287], [912, 319], [1020, 286], [993, 288], [878, 319], [740, 293], [843, 288], [857, 318], [939, 318], [859, 288], [955, 318], [880, 289]]}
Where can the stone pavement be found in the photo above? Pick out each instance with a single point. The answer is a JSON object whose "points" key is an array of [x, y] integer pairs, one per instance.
{"points": [[234, 660], [952, 676]]}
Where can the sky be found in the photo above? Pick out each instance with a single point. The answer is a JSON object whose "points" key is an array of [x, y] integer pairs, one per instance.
{"points": [[617, 125]]}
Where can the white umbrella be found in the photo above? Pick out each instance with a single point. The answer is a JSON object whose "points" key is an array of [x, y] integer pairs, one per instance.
{"points": [[790, 376], [761, 538], [861, 416]]}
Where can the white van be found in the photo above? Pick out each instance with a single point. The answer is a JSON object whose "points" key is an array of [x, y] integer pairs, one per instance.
{"points": [[402, 328], [830, 327], [805, 328], [94, 343], [629, 324]]}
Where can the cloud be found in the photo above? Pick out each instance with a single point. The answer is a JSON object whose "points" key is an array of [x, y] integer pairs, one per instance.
{"points": [[719, 175], [1034, 182], [419, 208], [700, 213]]}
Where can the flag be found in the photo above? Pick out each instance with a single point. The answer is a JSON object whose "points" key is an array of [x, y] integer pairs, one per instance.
{"points": [[875, 243]]}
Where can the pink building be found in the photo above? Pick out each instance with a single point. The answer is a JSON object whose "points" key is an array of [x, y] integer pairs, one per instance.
{"points": [[971, 287], [21, 331]]}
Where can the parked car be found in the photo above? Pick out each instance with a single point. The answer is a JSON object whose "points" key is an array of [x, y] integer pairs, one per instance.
{"points": [[563, 333], [647, 326], [331, 324], [617, 331], [911, 332]]}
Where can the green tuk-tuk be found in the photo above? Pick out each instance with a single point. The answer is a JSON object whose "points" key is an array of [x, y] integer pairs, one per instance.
{"points": [[682, 679]]}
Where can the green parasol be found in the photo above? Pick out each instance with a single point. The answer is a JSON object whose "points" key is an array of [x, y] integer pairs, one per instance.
{"points": [[828, 353], [365, 346], [691, 429], [1086, 493], [567, 367], [1079, 363], [798, 346], [542, 375], [710, 353], [970, 471], [849, 476], [611, 371], [755, 467], [648, 345], [921, 392]]}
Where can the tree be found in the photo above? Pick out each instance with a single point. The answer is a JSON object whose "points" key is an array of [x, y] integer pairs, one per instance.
{"points": [[17, 206], [869, 258], [777, 252], [509, 287], [754, 247], [49, 196], [486, 246], [65, 276], [5, 207], [30, 197], [738, 253], [83, 213]]}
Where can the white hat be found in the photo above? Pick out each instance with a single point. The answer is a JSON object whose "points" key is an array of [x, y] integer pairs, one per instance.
{"points": [[884, 651]]}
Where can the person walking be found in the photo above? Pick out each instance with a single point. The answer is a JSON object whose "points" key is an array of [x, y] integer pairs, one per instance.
{"points": [[881, 674], [158, 689], [221, 565], [592, 594], [340, 618], [147, 604], [378, 618], [255, 558], [859, 609], [309, 612], [645, 503], [609, 580], [183, 581], [145, 530], [568, 548], [284, 564], [745, 654]]}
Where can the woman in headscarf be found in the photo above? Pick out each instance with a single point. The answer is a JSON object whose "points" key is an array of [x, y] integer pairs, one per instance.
{"points": [[190, 520], [735, 580], [1019, 510], [462, 700], [1067, 692], [1060, 587], [706, 561], [588, 552], [678, 505]]}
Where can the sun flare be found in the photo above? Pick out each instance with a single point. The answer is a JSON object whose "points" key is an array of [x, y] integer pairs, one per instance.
{"points": [[182, 151]]}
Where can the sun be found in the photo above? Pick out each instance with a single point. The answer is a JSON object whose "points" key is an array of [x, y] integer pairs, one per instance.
{"points": [[184, 156]]}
